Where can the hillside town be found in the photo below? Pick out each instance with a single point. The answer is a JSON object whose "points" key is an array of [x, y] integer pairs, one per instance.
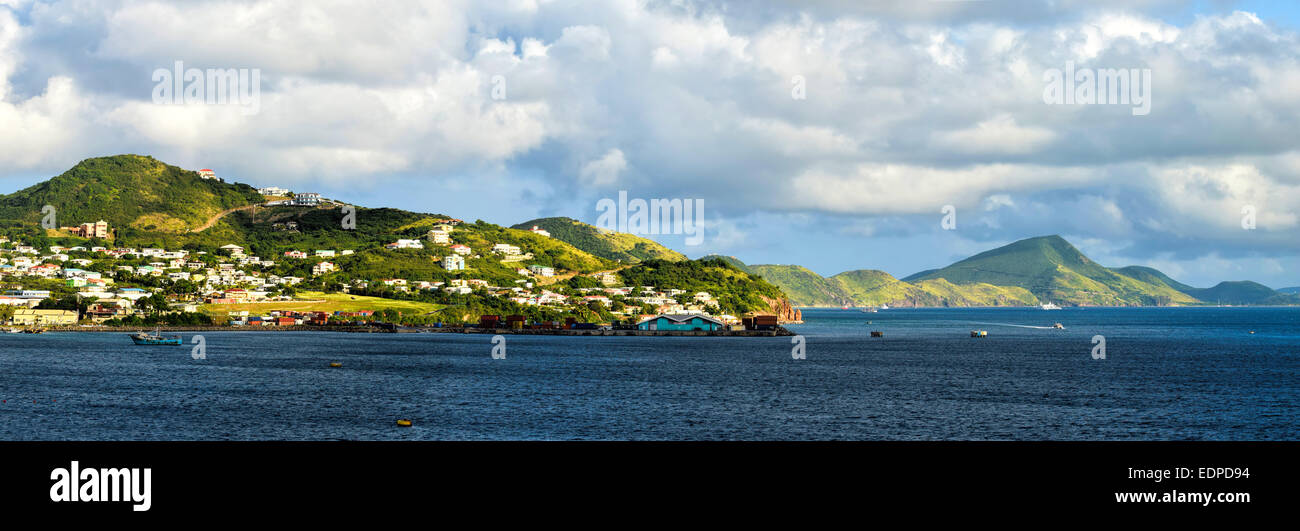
{"points": [[116, 285]]}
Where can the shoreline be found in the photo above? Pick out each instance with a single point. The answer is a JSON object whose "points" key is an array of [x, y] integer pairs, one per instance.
{"points": [[355, 329]]}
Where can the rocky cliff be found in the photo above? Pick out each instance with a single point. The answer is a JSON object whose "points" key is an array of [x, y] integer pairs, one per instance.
{"points": [[783, 310]]}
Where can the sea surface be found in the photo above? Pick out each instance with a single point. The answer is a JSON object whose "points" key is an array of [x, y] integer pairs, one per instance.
{"points": [[1168, 374]]}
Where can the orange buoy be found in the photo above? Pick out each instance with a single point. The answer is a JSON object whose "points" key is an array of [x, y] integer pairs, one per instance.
{"points": [[404, 423]]}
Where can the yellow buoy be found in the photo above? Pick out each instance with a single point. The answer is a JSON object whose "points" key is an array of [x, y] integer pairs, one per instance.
{"points": [[404, 423], [336, 364]]}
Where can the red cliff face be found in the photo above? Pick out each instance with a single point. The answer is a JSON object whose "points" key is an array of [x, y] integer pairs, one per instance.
{"points": [[784, 312]]}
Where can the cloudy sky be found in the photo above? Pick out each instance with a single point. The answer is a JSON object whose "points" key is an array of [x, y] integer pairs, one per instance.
{"points": [[824, 133]]}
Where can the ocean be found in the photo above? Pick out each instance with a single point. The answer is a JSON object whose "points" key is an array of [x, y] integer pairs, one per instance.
{"points": [[1168, 374]]}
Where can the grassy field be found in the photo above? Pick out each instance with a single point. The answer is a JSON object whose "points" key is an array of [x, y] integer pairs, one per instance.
{"points": [[322, 302]]}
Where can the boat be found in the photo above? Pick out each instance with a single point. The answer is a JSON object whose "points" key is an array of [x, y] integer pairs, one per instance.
{"points": [[145, 338], [884, 306], [33, 330], [979, 333], [1058, 326], [404, 423], [877, 333], [1050, 306], [870, 310], [335, 364]]}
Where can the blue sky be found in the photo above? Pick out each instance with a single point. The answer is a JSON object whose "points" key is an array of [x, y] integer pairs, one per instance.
{"points": [[905, 108]]}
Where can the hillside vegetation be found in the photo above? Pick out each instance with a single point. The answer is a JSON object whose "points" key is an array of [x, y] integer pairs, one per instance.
{"points": [[618, 246], [134, 194], [1055, 271]]}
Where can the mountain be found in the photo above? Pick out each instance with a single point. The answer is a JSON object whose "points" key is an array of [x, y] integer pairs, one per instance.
{"points": [[1242, 292], [1053, 270], [867, 287], [1228, 292], [803, 286], [1153, 276], [873, 288], [618, 246], [1290, 291], [130, 192]]}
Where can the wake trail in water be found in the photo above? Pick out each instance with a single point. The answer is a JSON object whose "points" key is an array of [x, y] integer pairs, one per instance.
{"points": [[1015, 325]]}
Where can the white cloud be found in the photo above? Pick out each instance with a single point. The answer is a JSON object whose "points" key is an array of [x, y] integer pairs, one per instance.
{"points": [[605, 170]]}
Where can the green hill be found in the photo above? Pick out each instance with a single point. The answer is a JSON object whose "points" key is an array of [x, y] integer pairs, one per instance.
{"points": [[1153, 276], [1053, 270], [617, 246], [804, 287], [1242, 292], [130, 192], [735, 262], [1229, 292], [873, 288]]}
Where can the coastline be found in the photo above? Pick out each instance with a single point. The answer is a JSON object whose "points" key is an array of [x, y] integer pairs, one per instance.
{"points": [[365, 329]]}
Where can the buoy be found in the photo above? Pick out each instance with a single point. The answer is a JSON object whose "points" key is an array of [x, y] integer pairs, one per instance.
{"points": [[1252, 331], [335, 364], [404, 423]]}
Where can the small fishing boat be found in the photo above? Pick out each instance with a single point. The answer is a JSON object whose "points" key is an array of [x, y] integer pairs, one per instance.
{"points": [[335, 364], [1050, 306], [870, 310], [884, 306], [1058, 326], [979, 333], [877, 333], [146, 338]]}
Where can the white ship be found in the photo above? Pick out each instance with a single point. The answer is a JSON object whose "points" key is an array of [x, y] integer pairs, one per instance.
{"points": [[1050, 306]]}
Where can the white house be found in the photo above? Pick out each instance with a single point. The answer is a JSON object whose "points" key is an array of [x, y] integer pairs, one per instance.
{"points": [[405, 244], [322, 268], [453, 262], [306, 199], [273, 190]]}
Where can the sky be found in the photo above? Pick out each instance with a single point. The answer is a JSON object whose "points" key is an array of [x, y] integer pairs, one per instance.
{"points": [[830, 134]]}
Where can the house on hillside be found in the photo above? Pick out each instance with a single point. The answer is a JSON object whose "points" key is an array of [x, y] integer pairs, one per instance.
{"points": [[310, 199], [453, 262]]}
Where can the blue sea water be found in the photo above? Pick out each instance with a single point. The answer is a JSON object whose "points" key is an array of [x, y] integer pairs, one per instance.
{"points": [[1169, 374]]}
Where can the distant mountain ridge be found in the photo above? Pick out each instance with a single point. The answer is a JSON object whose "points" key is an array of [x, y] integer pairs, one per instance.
{"points": [[868, 287], [1026, 272], [1055, 271]]}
